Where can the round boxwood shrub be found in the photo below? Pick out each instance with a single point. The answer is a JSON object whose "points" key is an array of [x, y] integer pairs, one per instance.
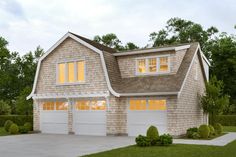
{"points": [[28, 126], [195, 135], [204, 131], [153, 135], [14, 129], [143, 141], [191, 131], [166, 139], [23, 130], [212, 130], [218, 128], [7, 125]]}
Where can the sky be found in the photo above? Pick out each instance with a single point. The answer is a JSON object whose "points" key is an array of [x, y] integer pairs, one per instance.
{"points": [[25, 24]]}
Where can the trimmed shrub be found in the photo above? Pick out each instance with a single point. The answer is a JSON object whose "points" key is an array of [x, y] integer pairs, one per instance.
{"points": [[191, 131], [23, 130], [212, 130], [195, 135], [204, 131], [218, 128], [143, 141], [7, 125], [17, 119], [226, 120], [166, 139], [28, 126], [14, 129], [153, 135]]}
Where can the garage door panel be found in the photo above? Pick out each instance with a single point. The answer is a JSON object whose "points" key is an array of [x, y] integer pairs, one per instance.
{"points": [[143, 117], [91, 129], [90, 117], [54, 117], [56, 128]]}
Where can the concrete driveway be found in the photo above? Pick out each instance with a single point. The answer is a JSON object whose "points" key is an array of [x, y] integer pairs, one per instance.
{"points": [[50, 145]]}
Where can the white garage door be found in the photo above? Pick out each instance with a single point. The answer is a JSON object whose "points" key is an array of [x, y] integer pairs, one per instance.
{"points": [[90, 117], [142, 113], [54, 118]]}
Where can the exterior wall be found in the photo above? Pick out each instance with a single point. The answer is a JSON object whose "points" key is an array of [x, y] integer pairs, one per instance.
{"points": [[188, 111], [117, 116], [66, 51], [36, 116], [127, 64]]}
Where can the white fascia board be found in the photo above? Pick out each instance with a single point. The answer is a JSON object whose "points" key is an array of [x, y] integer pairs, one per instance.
{"points": [[186, 76], [205, 59], [152, 50], [83, 43], [149, 94]]}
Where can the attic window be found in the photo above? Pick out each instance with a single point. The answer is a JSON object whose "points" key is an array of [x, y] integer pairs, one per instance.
{"points": [[152, 65], [71, 72]]}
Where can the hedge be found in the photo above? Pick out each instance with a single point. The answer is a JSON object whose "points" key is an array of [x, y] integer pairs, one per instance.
{"points": [[18, 119], [226, 120]]}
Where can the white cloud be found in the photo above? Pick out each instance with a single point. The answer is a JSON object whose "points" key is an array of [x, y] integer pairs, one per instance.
{"points": [[27, 23]]}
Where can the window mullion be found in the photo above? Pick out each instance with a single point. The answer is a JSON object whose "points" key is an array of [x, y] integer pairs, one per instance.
{"points": [[75, 71]]}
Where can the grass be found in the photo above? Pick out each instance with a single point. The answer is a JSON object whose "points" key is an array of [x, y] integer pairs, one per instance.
{"points": [[176, 150], [229, 129], [3, 132]]}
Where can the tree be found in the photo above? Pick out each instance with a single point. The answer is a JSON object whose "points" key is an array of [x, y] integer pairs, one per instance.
{"points": [[4, 108], [223, 55], [111, 40], [182, 31], [214, 101], [23, 106]]}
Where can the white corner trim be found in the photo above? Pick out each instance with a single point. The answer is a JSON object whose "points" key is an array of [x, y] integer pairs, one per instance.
{"points": [[68, 34], [151, 50], [204, 57], [190, 66]]}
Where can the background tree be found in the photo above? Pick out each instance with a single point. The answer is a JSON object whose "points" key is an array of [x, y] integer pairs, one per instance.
{"points": [[214, 101], [23, 106], [4, 108]]}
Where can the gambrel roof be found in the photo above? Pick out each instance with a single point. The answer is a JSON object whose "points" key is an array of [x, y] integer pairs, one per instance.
{"points": [[135, 86]]}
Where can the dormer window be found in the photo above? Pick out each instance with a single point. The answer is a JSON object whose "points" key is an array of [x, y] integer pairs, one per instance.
{"points": [[152, 65]]}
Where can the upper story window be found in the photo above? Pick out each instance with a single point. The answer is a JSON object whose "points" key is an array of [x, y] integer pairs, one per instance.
{"points": [[152, 65], [71, 72]]}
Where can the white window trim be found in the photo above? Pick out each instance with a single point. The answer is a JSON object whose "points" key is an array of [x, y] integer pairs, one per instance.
{"points": [[137, 73], [66, 72]]}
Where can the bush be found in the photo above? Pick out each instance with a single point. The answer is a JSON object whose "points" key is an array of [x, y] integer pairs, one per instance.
{"points": [[195, 135], [18, 119], [165, 139], [153, 135], [28, 126], [23, 130], [204, 131], [226, 120], [14, 129], [191, 131], [218, 128], [7, 125], [212, 130], [143, 141]]}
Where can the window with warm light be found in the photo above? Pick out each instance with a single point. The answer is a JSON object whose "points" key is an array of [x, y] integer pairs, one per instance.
{"points": [[48, 106], [61, 75], [141, 65], [152, 65], [82, 105], [71, 72], [98, 105], [137, 104], [163, 64], [157, 104], [61, 106]]}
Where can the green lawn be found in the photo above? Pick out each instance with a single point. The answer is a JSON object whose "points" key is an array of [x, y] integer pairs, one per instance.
{"points": [[3, 132], [175, 150]]}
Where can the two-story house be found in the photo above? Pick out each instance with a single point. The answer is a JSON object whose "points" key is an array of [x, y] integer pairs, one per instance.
{"points": [[85, 88]]}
